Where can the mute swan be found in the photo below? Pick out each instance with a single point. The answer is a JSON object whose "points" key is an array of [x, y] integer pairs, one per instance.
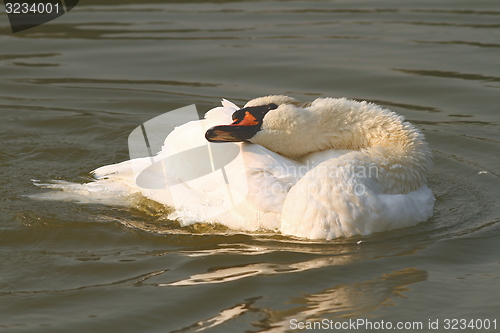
{"points": [[321, 170]]}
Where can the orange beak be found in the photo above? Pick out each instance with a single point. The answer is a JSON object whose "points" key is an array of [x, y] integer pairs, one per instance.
{"points": [[247, 122]]}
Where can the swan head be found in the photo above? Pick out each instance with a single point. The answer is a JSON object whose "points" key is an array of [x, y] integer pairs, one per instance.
{"points": [[246, 123], [277, 122]]}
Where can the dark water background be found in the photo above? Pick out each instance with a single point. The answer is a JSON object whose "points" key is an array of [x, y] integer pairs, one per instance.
{"points": [[72, 90]]}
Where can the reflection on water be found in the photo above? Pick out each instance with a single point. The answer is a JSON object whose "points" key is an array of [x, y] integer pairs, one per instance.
{"points": [[340, 302], [351, 300], [221, 275], [224, 316]]}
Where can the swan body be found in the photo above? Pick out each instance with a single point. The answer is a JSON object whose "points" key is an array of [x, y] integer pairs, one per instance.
{"points": [[321, 170]]}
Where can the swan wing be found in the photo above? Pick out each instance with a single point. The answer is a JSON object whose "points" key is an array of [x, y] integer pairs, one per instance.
{"points": [[270, 176], [179, 149], [229, 105], [332, 201]]}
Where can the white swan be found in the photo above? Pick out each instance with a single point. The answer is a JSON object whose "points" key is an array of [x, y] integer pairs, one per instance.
{"points": [[321, 170]]}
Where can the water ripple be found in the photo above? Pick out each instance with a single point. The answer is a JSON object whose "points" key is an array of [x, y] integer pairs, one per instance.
{"points": [[449, 74]]}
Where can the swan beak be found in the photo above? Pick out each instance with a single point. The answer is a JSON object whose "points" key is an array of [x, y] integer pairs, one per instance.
{"points": [[245, 126], [247, 122], [230, 133]]}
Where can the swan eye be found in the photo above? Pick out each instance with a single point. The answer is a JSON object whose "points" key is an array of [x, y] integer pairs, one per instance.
{"points": [[238, 115], [272, 106], [258, 112]]}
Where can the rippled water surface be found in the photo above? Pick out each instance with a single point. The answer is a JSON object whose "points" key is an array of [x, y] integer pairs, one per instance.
{"points": [[72, 90]]}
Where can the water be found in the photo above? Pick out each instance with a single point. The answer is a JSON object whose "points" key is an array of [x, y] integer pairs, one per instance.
{"points": [[72, 90]]}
